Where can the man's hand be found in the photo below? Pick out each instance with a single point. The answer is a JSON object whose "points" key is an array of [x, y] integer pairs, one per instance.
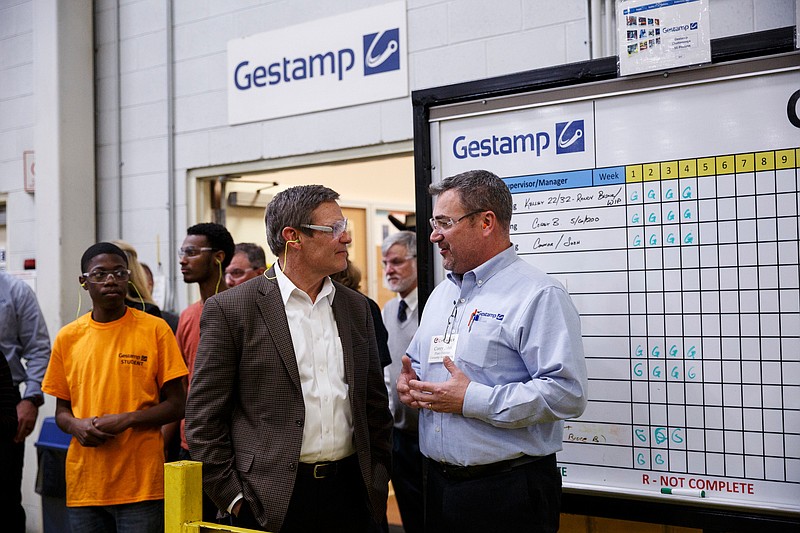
{"points": [[87, 433], [237, 507], [26, 419], [447, 397], [403, 390]]}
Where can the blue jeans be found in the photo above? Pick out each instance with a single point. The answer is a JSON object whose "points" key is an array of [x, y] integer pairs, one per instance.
{"points": [[139, 517]]}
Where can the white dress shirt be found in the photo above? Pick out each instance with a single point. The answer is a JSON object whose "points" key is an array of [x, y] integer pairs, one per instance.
{"points": [[328, 428]]}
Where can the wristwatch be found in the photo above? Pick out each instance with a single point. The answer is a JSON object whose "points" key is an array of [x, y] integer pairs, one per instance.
{"points": [[36, 399]]}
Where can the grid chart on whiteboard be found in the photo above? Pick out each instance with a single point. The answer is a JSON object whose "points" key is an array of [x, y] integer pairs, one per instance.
{"points": [[687, 278]]}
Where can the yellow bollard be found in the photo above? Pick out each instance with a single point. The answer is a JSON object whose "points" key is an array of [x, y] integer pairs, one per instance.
{"points": [[183, 500], [183, 494]]}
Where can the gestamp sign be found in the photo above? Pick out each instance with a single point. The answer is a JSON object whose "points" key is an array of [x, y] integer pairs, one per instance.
{"points": [[349, 59]]}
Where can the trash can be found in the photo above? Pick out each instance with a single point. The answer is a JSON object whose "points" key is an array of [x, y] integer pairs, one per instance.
{"points": [[51, 484]]}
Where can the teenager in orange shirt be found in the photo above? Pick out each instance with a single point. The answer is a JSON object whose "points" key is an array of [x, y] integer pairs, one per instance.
{"points": [[117, 374]]}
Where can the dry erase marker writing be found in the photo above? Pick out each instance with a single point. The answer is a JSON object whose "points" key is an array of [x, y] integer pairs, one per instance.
{"points": [[684, 492]]}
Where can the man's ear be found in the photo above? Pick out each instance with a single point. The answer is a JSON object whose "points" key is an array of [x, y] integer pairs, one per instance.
{"points": [[489, 220], [290, 234], [219, 257], [82, 281]]}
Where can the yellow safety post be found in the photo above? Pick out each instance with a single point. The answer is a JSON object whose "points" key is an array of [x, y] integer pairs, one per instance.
{"points": [[183, 501], [183, 494]]}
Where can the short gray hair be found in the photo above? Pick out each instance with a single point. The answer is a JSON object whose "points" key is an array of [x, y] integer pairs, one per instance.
{"points": [[403, 238], [292, 208], [479, 190], [255, 254]]}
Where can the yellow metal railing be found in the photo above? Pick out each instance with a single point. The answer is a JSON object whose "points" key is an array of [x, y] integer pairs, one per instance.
{"points": [[183, 500]]}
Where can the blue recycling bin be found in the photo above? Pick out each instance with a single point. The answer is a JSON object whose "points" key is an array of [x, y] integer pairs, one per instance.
{"points": [[51, 483]]}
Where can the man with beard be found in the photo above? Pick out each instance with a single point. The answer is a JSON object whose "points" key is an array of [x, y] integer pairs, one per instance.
{"points": [[401, 317], [496, 365]]}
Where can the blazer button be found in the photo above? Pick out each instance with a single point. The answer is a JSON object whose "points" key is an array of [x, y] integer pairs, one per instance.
{"points": [[292, 466], [298, 423]]}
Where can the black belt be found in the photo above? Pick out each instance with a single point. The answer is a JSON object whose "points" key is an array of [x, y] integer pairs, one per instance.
{"points": [[459, 473], [325, 469]]}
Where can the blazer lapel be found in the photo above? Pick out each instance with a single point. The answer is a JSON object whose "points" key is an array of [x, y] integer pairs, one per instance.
{"points": [[273, 313]]}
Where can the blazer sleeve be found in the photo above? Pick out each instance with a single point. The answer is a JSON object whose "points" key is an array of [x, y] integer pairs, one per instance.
{"points": [[379, 418], [210, 405]]}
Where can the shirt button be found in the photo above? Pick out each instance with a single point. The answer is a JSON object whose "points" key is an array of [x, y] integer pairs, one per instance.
{"points": [[438, 429], [480, 282], [462, 300]]}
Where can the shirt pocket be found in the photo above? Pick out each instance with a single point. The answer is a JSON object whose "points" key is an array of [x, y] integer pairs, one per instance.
{"points": [[482, 345]]}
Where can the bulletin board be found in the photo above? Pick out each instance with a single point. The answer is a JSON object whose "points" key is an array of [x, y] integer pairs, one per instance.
{"points": [[667, 205]]}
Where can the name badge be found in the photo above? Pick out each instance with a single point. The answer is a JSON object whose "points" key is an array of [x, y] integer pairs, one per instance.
{"points": [[440, 349]]}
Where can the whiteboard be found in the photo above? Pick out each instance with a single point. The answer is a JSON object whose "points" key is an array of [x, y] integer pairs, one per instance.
{"points": [[669, 210]]}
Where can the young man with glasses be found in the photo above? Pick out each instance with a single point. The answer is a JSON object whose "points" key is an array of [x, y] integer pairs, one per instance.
{"points": [[496, 365], [204, 255], [249, 261], [117, 375], [401, 317], [288, 410]]}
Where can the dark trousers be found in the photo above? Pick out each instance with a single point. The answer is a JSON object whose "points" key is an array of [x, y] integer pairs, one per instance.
{"points": [[16, 513], [407, 480], [526, 498], [334, 504], [13, 456]]}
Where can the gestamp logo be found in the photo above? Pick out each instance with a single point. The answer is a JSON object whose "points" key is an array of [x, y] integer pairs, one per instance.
{"points": [[569, 137], [382, 51]]}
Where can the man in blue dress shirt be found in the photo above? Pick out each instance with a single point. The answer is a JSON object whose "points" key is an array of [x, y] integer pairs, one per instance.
{"points": [[496, 365]]}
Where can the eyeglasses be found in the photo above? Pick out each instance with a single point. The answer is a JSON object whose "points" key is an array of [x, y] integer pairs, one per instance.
{"points": [[238, 273], [336, 230], [397, 262], [101, 276], [191, 251], [444, 224]]}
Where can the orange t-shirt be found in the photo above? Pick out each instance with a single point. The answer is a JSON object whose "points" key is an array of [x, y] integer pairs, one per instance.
{"points": [[188, 335], [110, 368]]}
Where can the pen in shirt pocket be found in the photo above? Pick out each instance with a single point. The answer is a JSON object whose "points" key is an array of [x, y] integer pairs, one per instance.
{"points": [[471, 320]]}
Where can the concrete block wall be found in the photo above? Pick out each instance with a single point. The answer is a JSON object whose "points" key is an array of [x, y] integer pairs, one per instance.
{"points": [[17, 119]]}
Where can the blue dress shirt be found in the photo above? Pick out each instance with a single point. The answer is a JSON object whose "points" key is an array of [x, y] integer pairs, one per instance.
{"points": [[519, 341]]}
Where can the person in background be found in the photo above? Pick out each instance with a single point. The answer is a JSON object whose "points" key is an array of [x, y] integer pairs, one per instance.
{"points": [[169, 316], [25, 344], [401, 316], [287, 410], [350, 277], [496, 364], [248, 262], [204, 255], [138, 295], [118, 376], [9, 396]]}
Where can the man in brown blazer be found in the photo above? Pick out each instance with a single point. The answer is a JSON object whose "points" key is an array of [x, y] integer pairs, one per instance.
{"points": [[287, 410]]}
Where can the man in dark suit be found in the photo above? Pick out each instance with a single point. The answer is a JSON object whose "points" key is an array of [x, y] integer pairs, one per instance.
{"points": [[287, 410]]}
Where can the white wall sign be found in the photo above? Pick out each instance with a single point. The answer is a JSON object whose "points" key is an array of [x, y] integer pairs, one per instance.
{"points": [[657, 35], [349, 59]]}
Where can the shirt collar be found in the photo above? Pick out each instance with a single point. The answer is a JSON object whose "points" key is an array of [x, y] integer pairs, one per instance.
{"points": [[287, 287], [411, 300], [482, 273]]}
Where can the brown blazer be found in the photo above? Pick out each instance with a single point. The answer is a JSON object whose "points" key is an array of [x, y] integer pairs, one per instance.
{"points": [[245, 411]]}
